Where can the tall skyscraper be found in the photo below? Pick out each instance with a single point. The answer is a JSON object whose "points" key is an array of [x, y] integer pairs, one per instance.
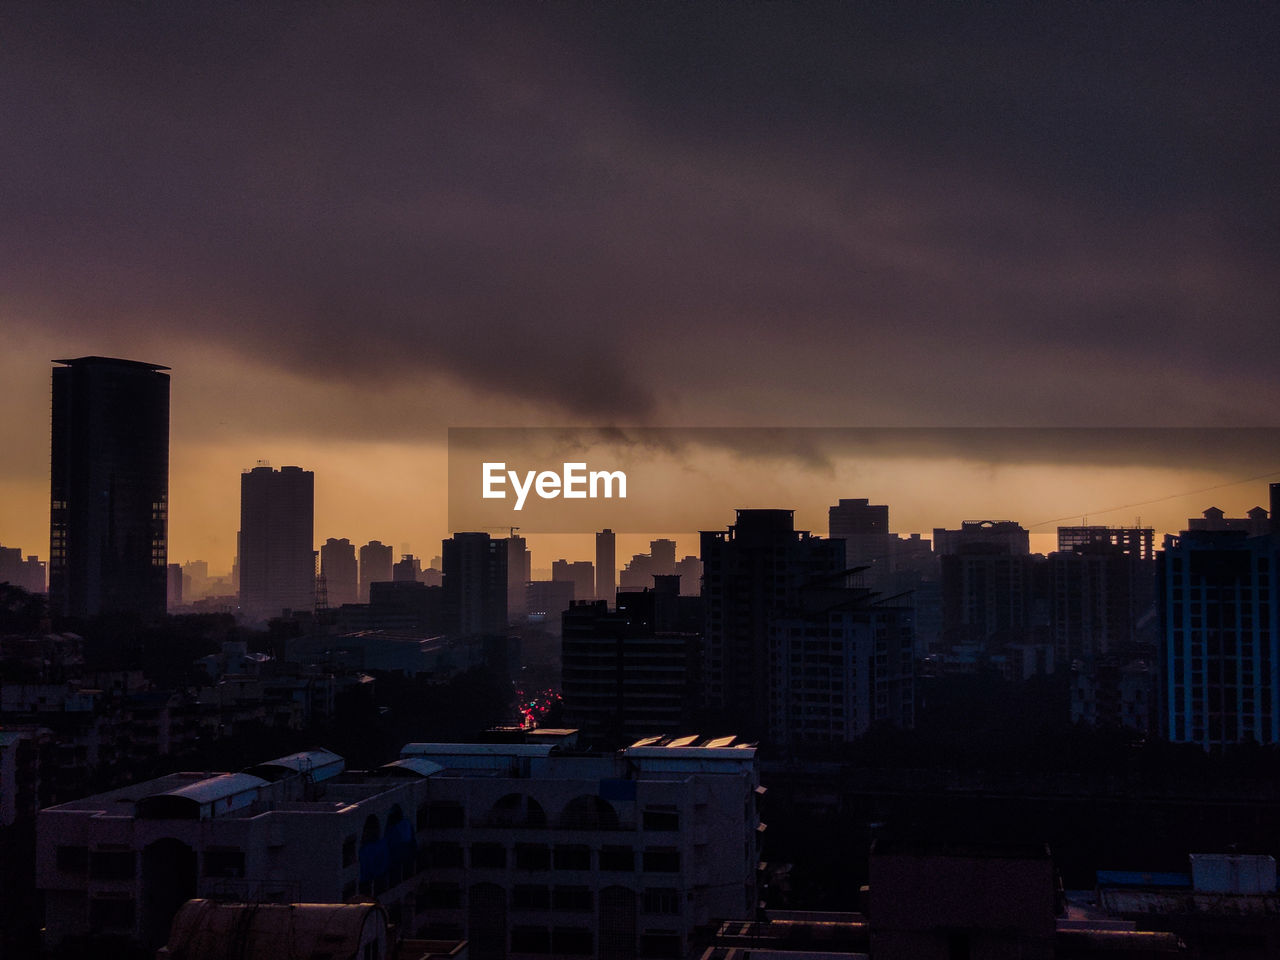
{"points": [[277, 559], [109, 490], [1221, 644], [375, 566], [606, 565], [338, 564], [751, 573], [518, 576], [475, 584]]}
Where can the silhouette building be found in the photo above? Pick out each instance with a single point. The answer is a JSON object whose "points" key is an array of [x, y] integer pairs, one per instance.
{"points": [[640, 570], [606, 565], [1221, 636], [28, 573], [475, 584], [580, 573], [864, 528], [277, 559], [338, 564], [109, 490], [518, 576], [630, 672], [842, 661], [751, 573], [375, 566]]}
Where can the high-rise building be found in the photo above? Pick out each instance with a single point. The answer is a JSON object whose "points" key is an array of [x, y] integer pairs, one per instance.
{"points": [[750, 574], [338, 564], [842, 662], [630, 672], [1101, 587], [606, 565], [408, 569], [277, 559], [578, 572], [109, 490], [518, 576], [864, 528], [475, 584], [640, 570], [375, 566], [1007, 536], [1221, 637]]}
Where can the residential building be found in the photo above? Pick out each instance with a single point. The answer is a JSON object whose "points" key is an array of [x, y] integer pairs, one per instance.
{"points": [[518, 847], [475, 584], [581, 573], [375, 566], [109, 488], [1220, 654], [864, 528], [535, 851], [841, 663], [28, 573], [606, 565], [338, 565], [277, 556], [518, 575], [631, 672], [752, 573]]}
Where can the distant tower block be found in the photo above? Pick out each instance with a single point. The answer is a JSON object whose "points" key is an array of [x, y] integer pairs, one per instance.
{"points": [[606, 565], [277, 559]]}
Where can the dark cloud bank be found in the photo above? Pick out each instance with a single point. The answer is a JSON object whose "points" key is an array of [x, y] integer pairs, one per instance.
{"points": [[699, 213]]}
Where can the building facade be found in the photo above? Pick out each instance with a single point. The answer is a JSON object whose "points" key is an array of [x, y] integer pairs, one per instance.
{"points": [[1220, 655], [277, 553], [521, 848], [751, 573], [375, 566], [338, 565], [475, 584], [109, 489]]}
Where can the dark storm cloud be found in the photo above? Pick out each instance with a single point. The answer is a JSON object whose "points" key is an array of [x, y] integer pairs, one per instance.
{"points": [[707, 212]]}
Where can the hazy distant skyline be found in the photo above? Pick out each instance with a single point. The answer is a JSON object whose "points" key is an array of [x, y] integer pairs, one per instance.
{"points": [[347, 227]]}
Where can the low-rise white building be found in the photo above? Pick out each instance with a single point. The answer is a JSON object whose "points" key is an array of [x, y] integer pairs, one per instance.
{"points": [[524, 849]]}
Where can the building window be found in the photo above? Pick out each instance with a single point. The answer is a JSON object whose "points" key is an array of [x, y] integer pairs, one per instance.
{"points": [[440, 854], [111, 865], [661, 820], [661, 860], [488, 855], [571, 941], [621, 859], [440, 814], [526, 896], [661, 900], [573, 857], [530, 940], [571, 898], [533, 856]]}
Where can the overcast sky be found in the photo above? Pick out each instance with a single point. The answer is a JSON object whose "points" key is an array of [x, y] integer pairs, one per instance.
{"points": [[347, 226]]}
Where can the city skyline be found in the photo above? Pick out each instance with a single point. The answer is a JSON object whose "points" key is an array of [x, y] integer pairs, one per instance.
{"points": [[634, 214], [1164, 507]]}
